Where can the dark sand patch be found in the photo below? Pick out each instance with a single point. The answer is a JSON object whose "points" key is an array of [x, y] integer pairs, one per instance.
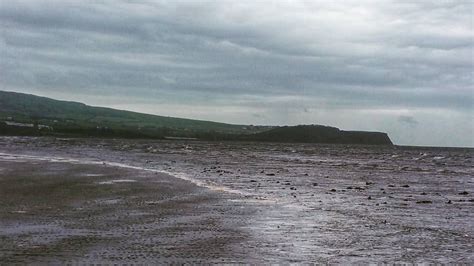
{"points": [[57, 213]]}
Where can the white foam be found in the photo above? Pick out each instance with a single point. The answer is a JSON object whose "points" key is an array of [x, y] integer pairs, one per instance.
{"points": [[201, 183], [18, 211], [255, 200], [93, 175], [110, 182], [183, 176]]}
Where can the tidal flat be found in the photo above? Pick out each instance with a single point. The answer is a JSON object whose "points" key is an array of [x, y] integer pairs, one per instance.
{"points": [[141, 201], [57, 212]]}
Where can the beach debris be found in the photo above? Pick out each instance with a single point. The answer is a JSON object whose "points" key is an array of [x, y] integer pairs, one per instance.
{"points": [[424, 202], [153, 202]]}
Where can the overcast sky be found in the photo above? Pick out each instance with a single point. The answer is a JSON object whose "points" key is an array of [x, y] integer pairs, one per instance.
{"points": [[402, 67]]}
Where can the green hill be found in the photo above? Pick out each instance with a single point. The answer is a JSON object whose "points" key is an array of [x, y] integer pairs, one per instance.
{"points": [[24, 114], [70, 117]]}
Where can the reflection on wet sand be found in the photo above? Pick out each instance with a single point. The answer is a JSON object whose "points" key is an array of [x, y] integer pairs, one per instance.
{"points": [[308, 202]]}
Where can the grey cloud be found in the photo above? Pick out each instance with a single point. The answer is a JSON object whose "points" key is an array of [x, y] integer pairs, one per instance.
{"points": [[350, 55], [409, 120]]}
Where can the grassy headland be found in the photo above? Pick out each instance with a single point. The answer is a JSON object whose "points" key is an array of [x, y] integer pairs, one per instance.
{"points": [[25, 114]]}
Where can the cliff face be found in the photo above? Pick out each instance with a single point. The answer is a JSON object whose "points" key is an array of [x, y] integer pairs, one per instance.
{"points": [[321, 134], [372, 138]]}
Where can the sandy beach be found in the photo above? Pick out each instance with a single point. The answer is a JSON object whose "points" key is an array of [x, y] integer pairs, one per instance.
{"points": [[144, 202], [73, 213]]}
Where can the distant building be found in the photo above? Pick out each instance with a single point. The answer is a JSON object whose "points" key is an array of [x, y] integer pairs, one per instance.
{"points": [[16, 124], [45, 127]]}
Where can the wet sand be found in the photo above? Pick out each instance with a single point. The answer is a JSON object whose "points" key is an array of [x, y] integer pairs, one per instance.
{"points": [[233, 202], [55, 212]]}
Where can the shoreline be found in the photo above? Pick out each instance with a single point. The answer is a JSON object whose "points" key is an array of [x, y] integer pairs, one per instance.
{"points": [[58, 212], [324, 204], [214, 187]]}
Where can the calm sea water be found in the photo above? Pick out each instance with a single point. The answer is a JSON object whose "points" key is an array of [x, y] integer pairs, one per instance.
{"points": [[325, 203]]}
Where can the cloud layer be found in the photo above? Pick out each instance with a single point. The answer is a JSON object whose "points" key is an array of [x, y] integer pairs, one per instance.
{"points": [[405, 67]]}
